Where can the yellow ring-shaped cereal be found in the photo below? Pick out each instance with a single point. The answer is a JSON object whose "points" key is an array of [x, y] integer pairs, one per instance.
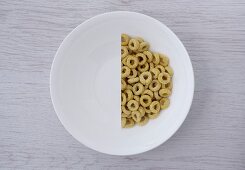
{"points": [[160, 68], [143, 73], [156, 95], [123, 122], [169, 70], [152, 115], [124, 51], [129, 87], [138, 73], [164, 92], [145, 78], [164, 61], [133, 44], [143, 68], [132, 61], [123, 115], [144, 46], [139, 39], [133, 105], [155, 72], [124, 60], [141, 58], [123, 84], [145, 100], [124, 39], [136, 116], [148, 92], [149, 56], [130, 52], [147, 109], [129, 123], [144, 120], [156, 58], [125, 71], [168, 85], [133, 73], [129, 116], [155, 85], [126, 110], [123, 99], [129, 94], [151, 66], [164, 78], [147, 86], [137, 98], [164, 103], [142, 111], [133, 80], [155, 107], [138, 89]]}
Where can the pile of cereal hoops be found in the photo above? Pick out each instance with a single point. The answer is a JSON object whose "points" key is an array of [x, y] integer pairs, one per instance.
{"points": [[146, 82]]}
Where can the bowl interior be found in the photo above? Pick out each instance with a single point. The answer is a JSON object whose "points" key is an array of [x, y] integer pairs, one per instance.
{"points": [[85, 83]]}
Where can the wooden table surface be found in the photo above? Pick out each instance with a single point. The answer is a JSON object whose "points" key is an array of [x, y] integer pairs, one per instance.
{"points": [[213, 135]]}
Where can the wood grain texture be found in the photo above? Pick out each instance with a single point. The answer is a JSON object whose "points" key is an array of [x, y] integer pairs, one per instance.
{"points": [[213, 135]]}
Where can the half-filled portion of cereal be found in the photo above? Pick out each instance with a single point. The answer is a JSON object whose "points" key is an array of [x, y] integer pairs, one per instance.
{"points": [[146, 82]]}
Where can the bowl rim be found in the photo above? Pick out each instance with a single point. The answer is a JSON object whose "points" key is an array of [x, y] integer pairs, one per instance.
{"points": [[191, 81]]}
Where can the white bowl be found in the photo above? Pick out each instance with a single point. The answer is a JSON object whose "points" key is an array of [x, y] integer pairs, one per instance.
{"points": [[85, 83]]}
